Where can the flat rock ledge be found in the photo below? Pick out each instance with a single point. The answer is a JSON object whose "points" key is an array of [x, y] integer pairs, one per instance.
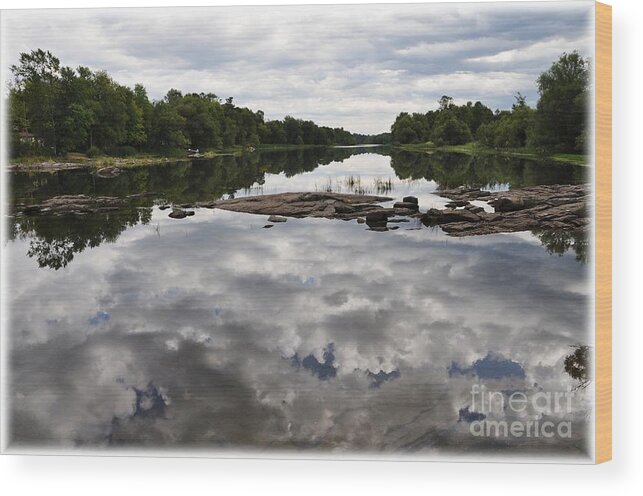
{"points": [[323, 205], [556, 207], [79, 204]]}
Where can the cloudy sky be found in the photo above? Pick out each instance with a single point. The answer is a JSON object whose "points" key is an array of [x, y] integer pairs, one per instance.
{"points": [[352, 66]]}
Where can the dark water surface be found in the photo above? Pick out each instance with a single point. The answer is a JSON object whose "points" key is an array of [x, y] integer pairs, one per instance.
{"points": [[137, 330]]}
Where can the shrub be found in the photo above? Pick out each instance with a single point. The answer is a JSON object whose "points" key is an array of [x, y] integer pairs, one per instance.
{"points": [[93, 152]]}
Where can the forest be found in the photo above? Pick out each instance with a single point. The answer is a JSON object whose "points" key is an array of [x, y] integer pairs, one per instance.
{"points": [[556, 124], [55, 109]]}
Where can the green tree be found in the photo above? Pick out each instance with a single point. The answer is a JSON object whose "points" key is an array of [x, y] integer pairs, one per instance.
{"points": [[561, 112], [37, 78]]}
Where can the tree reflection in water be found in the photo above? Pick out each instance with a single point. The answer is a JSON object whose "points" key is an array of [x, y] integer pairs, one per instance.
{"points": [[54, 240], [559, 242]]}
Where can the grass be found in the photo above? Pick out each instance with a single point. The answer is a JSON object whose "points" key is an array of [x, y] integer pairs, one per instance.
{"points": [[474, 148], [353, 184]]}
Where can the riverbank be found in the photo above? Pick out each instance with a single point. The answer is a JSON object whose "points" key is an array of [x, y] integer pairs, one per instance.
{"points": [[80, 160], [478, 149]]}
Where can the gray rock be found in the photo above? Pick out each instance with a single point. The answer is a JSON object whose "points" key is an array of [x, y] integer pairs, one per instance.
{"points": [[276, 218], [406, 205], [179, 213]]}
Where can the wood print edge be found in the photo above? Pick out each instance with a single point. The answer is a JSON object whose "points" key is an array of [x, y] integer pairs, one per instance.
{"points": [[603, 185]]}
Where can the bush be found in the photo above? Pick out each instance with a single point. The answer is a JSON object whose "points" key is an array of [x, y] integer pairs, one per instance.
{"points": [[18, 148], [93, 152]]}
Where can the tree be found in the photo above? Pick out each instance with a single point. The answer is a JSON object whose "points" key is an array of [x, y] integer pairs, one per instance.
{"points": [[451, 132], [561, 112], [37, 78]]}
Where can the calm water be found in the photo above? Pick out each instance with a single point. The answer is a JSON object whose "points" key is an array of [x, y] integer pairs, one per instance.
{"points": [[137, 330]]}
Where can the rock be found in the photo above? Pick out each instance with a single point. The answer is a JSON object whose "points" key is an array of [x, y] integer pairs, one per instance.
{"points": [[457, 203], [406, 205], [320, 204], [410, 199], [505, 205], [543, 207], [375, 217], [179, 213], [163, 207], [437, 217], [268, 226], [393, 228], [361, 220], [474, 209], [108, 172], [76, 204], [276, 218], [378, 228]]}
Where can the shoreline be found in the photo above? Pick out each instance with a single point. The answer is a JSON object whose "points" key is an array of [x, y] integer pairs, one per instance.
{"points": [[80, 161]]}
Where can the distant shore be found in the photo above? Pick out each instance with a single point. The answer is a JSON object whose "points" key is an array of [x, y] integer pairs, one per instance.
{"points": [[75, 160]]}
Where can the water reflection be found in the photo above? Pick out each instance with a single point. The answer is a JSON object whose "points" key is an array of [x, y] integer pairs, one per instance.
{"points": [[450, 170], [152, 345], [367, 170], [317, 335]]}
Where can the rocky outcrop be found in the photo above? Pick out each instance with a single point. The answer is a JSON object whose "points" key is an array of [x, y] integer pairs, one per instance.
{"points": [[81, 204], [325, 205], [536, 208], [557, 207], [77, 204]]}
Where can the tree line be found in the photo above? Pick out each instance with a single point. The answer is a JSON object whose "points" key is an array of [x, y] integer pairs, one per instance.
{"points": [[556, 124], [55, 109]]}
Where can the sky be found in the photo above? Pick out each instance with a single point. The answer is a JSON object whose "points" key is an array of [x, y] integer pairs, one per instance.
{"points": [[354, 66]]}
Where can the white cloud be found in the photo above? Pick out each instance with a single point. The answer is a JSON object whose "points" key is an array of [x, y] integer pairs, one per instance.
{"points": [[542, 50], [350, 66]]}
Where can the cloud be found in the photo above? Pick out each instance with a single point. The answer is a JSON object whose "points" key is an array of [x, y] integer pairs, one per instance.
{"points": [[166, 371], [335, 65], [541, 50]]}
